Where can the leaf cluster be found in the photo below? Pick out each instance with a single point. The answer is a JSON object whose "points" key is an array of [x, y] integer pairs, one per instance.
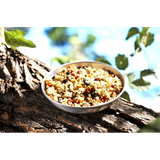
{"points": [[143, 38], [59, 36], [140, 84]]}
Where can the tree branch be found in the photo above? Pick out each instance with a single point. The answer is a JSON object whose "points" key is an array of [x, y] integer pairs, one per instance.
{"points": [[23, 108]]}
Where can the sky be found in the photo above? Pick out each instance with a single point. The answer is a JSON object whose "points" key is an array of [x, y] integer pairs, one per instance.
{"points": [[110, 41]]}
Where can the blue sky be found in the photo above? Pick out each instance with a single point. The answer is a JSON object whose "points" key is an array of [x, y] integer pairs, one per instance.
{"points": [[110, 41]]}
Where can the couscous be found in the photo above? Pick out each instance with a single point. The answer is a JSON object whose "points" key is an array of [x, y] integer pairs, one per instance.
{"points": [[83, 86]]}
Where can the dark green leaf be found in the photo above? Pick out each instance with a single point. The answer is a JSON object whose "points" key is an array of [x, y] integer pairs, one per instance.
{"points": [[90, 40], [143, 35], [121, 61], [140, 84], [133, 31], [145, 29], [103, 60], [153, 126], [137, 46], [125, 95], [150, 39], [147, 72], [146, 26], [16, 38]]}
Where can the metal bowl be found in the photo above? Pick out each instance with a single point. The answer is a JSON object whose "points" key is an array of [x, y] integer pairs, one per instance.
{"points": [[83, 110]]}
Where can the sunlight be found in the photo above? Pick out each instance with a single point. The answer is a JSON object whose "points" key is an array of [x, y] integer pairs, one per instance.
{"points": [[105, 32]]}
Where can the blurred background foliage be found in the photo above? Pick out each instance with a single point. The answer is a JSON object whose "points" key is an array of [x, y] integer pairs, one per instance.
{"points": [[81, 51], [59, 37]]}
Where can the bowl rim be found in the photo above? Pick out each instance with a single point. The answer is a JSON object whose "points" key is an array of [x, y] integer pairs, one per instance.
{"points": [[85, 61]]}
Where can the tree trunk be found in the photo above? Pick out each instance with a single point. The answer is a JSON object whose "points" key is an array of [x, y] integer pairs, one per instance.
{"points": [[23, 108]]}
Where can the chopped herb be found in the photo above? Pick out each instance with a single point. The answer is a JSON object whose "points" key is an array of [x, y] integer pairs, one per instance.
{"points": [[67, 73], [86, 82], [94, 94]]}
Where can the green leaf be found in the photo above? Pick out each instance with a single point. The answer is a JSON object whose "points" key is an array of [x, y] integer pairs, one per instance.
{"points": [[143, 35], [16, 38], [103, 60], [57, 34], [133, 31], [125, 95], [137, 47], [144, 32], [150, 39], [130, 77], [90, 40], [147, 72], [140, 84], [121, 61], [61, 59], [153, 126]]}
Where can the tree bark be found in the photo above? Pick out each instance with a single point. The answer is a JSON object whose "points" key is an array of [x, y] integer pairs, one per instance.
{"points": [[23, 108]]}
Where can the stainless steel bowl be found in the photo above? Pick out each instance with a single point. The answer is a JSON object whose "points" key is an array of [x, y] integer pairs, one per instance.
{"points": [[83, 110]]}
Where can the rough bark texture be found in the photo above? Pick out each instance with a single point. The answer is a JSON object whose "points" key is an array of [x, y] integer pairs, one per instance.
{"points": [[23, 108]]}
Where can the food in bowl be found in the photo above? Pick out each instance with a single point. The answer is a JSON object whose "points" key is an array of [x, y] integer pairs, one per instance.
{"points": [[83, 86]]}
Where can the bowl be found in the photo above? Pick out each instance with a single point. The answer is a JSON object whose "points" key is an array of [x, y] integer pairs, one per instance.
{"points": [[83, 110]]}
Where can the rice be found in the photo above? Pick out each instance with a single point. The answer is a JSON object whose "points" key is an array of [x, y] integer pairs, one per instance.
{"points": [[83, 86]]}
